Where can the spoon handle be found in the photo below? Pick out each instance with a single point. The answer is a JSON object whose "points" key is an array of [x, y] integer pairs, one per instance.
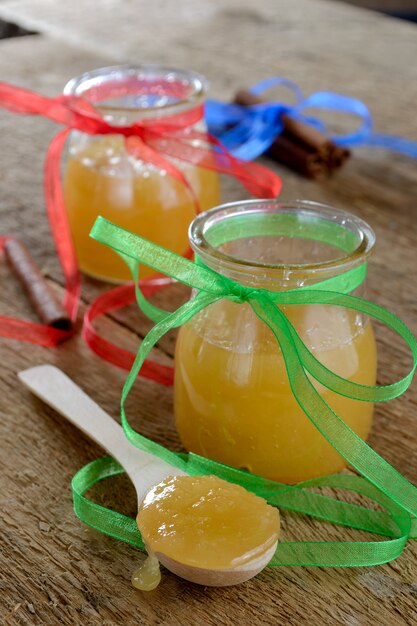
{"points": [[55, 388]]}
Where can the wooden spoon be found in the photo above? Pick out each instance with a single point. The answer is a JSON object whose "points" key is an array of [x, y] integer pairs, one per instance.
{"points": [[145, 470]]}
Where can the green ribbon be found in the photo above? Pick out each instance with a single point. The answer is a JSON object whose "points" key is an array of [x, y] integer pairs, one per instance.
{"points": [[379, 481]]}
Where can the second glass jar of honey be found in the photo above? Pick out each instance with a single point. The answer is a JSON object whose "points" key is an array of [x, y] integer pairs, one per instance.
{"points": [[103, 178], [233, 401]]}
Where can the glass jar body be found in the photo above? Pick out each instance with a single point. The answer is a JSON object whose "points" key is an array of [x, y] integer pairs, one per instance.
{"points": [[102, 178], [233, 401]]}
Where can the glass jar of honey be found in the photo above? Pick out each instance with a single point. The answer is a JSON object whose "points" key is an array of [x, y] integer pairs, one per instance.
{"points": [[233, 402], [102, 178]]}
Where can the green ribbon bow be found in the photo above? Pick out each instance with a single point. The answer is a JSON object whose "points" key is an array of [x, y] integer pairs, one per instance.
{"points": [[379, 481]]}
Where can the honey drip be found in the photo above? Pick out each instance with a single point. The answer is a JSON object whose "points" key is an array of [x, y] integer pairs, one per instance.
{"points": [[148, 576]]}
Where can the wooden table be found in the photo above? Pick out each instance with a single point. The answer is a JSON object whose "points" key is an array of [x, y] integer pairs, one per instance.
{"points": [[54, 570]]}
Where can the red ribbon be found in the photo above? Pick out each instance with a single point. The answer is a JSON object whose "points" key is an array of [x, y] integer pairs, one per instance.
{"points": [[153, 141]]}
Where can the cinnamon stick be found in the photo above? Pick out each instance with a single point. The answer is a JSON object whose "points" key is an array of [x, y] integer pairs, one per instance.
{"points": [[311, 164], [46, 305], [300, 146]]}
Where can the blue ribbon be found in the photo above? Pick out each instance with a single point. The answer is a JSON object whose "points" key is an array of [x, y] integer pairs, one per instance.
{"points": [[248, 131]]}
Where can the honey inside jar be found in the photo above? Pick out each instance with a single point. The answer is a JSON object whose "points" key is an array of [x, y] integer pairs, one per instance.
{"points": [[233, 400], [236, 405], [102, 178], [206, 522]]}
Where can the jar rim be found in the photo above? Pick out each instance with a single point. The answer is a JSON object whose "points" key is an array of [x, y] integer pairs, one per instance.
{"points": [[84, 83], [235, 266]]}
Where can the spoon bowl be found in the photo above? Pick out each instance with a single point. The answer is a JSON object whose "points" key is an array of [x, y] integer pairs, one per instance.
{"points": [[218, 577]]}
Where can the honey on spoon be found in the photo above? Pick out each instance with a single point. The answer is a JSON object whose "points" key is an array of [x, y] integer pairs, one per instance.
{"points": [[207, 530]]}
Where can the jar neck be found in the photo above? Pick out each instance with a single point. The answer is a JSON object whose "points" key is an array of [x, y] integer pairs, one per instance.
{"points": [[125, 94], [280, 246]]}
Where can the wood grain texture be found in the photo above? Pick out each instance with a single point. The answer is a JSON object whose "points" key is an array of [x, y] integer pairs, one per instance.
{"points": [[53, 570]]}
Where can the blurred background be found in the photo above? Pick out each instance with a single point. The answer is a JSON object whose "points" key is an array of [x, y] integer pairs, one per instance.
{"points": [[405, 9], [20, 18]]}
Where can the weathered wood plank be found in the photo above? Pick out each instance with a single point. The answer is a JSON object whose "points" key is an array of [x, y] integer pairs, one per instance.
{"points": [[54, 570]]}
